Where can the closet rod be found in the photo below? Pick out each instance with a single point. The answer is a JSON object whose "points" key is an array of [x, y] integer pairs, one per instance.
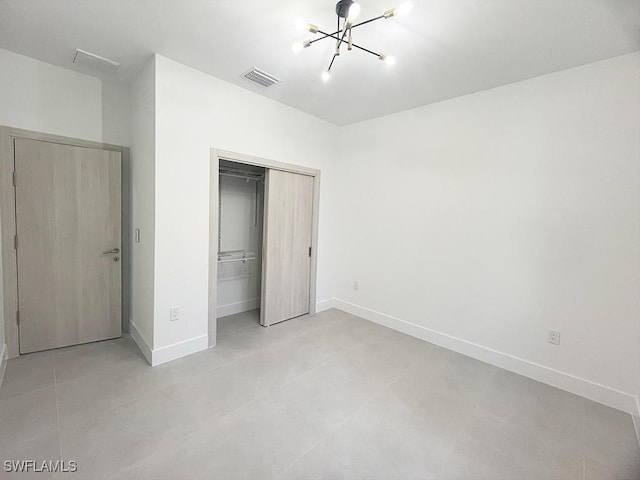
{"points": [[248, 177], [243, 260]]}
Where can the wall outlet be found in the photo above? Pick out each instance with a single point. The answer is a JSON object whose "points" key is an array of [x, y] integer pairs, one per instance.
{"points": [[356, 285], [174, 314], [554, 337]]}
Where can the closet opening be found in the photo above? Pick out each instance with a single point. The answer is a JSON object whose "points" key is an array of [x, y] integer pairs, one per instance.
{"points": [[241, 190], [263, 239]]}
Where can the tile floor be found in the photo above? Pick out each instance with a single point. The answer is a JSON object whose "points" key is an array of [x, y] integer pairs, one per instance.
{"points": [[329, 396]]}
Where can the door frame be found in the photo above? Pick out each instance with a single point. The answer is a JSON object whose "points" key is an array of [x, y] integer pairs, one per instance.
{"points": [[9, 291], [216, 156]]}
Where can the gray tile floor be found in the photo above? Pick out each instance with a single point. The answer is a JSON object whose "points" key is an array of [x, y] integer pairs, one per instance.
{"points": [[329, 396]]}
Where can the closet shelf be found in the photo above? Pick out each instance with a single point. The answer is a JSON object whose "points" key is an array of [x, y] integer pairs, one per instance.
{"points": [[235, 256]]}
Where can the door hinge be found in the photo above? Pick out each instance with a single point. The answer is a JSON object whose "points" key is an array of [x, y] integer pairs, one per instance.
{"points": [[18, 317], [15, 241], [309, 251], [13, 175]]}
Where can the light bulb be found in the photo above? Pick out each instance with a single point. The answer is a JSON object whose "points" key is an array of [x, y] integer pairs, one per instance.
{"points": [[405, 8], [326, 75], [296, 47], [392, 12], [354, 11], [388, 59]]}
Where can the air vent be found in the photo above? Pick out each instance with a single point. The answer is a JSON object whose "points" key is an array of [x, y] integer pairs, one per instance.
{"points": [[261, 78], [96, 62]]}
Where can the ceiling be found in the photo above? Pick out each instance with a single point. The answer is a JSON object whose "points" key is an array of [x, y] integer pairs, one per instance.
{"points": [[444, 48]]}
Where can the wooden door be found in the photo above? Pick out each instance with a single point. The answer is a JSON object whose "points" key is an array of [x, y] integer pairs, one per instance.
{"points": [[286, 254], [68, 244]]}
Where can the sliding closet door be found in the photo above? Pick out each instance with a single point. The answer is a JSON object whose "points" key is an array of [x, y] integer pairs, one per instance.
{"points": [[287, 246]]}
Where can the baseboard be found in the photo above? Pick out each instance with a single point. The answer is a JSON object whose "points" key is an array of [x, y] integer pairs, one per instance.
{"points": [[636, 420], [3, 362], [323, 305], [179, 350], [252, 304], [162, 355], [570, 383], [142, 343], [237, 307]]}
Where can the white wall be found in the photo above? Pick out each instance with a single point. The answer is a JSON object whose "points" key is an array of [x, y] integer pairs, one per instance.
{"points": [[38, 96], [240, 229], [493, 217], [143, 205], [3, 346], [195, 112]]}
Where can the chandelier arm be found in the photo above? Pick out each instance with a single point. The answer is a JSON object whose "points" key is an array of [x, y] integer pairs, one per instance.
{"points": [[357, 46], [332, 60], [325, 35], [341, 39], [332, 35], [368, 21]]}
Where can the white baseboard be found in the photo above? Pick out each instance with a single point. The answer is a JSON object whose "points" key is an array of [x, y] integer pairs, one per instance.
{"points": [[323, 305], [142, 343], [565, 381], [252, 304], [3, 361], [237, 307], [179, 350], [162, 355]]}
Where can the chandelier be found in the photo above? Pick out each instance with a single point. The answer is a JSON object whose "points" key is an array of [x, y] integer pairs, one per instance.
{"points": [[347, 12]]}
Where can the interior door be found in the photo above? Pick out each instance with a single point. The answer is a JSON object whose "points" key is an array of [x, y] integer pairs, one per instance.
{"points": [[68, 244], [286, 246]]}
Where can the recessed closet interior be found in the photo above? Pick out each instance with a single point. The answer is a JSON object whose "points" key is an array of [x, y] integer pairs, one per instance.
{"points": [[240, 235]]}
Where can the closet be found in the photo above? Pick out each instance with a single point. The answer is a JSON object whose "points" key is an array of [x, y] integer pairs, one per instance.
{"points": [[266, 232], [240, 225]]}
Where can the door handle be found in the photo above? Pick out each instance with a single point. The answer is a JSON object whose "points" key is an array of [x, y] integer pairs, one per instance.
{"points": [[115, 250]]}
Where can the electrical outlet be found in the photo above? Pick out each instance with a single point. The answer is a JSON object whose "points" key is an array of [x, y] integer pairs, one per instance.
{"points": [[554, 337], [174, 314], [356, 285]]}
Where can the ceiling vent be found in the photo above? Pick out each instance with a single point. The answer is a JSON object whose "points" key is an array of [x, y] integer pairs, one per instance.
{"points": [[96, 62], [261, 78]]}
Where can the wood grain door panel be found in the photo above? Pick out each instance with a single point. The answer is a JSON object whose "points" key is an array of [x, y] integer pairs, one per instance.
{"points": [[68, 212], [287, 242]]}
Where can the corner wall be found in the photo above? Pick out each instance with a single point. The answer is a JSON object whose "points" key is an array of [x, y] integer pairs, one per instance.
{"points": [[481, 222], [195, 112], [143, 151]]}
